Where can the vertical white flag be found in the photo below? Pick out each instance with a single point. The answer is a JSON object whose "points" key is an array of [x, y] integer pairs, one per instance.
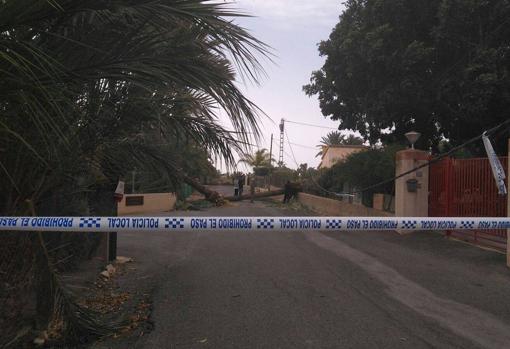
{"points": [[497, 169]]}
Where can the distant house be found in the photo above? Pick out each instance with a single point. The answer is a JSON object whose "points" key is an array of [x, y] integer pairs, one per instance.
{"points": [[334, 153]]}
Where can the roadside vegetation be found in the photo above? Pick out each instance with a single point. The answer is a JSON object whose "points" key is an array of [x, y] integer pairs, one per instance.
{"points": [[440, 67], [92, 91], [358, 171]]}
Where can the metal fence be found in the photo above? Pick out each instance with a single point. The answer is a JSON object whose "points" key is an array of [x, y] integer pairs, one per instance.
{"points": [[466, 188]]}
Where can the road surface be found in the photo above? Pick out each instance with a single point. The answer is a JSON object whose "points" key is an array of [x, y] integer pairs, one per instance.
{"points": [[316, 290]]}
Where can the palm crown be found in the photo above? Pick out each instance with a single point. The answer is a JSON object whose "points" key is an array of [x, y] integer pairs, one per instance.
{"points": [[337, 138]]}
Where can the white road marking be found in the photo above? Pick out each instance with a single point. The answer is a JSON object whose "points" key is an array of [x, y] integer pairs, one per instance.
{"points": [[466, 321]]}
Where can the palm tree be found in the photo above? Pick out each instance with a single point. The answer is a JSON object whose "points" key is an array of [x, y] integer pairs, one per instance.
{"points": [[337, 138], [260, 158], [80, 79], [92, 89], [302, 170]]}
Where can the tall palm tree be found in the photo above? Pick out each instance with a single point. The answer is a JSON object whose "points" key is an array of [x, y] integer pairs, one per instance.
{"points": [[337, 138], [80, 79], [92, 89]]}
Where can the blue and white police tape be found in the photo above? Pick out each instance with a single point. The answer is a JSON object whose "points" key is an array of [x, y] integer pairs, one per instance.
{"points": [[122, 224]]}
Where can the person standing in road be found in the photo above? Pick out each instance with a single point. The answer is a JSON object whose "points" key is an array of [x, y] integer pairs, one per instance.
{"points": [[286, 192], [236, 187], [241, 185]]}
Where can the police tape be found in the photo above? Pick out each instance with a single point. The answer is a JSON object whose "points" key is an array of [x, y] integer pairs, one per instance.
{"points": [[124, 224]]}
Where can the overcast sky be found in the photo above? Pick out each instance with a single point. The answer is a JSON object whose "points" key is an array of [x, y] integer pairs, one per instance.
{"points": [[293, 28]]}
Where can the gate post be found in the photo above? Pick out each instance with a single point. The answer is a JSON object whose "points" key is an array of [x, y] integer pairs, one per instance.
{"points": [[412, 190]]}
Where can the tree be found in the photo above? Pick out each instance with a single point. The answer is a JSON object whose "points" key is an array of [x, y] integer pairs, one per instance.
{"points": [[78, 88], [93, 89], [302, 170], [260, 158], [440, 67], [361, 170], [337, 138]]}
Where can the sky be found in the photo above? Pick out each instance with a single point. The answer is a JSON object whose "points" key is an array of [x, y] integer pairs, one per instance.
{"points": [[292, 28]]}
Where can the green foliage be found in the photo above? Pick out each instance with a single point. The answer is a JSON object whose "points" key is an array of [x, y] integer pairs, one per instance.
{"points": [[280, 176], [440, 67], [308, 177], [261, 171], [260, 161], [260, 158], [361, 170], [445, 146], [92, 90]]}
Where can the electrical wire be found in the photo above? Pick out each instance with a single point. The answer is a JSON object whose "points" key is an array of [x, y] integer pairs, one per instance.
{"points": [[437, 158], [291, 150], [428, 163], [311, 176], [304, 146], [311, 125]]}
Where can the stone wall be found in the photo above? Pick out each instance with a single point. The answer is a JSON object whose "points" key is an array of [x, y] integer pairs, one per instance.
{"points": [[157, 202], [331, 207]]}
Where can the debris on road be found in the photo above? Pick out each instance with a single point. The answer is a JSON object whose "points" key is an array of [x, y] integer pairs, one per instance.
{"points": [[109, 272], [41, 339], [123, 260]]}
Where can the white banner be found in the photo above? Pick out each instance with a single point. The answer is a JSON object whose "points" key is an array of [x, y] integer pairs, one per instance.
{"points": [[183, 224], [497, 170]]}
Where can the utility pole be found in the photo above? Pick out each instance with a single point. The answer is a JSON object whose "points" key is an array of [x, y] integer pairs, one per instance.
{"points": [[282, 129], [270, 162]]}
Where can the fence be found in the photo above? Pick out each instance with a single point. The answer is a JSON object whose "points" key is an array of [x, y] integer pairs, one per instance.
{"points": [[466, 187]]}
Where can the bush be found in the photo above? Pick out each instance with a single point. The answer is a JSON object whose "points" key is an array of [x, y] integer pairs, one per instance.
{"points": [[361, 170], [281, 175]]}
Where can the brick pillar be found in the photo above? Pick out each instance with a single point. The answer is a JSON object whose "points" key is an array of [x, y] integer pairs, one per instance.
{"points": [[409, 203]]}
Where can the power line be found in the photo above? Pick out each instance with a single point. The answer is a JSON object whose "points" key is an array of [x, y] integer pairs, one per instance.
{"points": [[437, 158], [291, 150], [304, 146], [311, 176], [311, 125], [288, 155], [428, 163]]}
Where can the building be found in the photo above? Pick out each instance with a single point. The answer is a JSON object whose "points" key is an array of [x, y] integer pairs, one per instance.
{"points": [[334, 153]]}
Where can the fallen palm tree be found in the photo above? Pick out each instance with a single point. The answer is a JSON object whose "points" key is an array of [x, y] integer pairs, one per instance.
{"points": [[256, 195], [210, 195]]}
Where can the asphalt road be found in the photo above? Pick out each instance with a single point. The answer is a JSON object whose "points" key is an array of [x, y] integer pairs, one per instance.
{"points": [[315, 290]]}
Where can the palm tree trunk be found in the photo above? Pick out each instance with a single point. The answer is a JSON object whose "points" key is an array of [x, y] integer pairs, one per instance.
{"points": [[210, 195], [255, 196]]}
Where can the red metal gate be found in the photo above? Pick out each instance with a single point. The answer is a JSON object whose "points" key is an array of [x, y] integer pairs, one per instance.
{"points": [[466, 188]]}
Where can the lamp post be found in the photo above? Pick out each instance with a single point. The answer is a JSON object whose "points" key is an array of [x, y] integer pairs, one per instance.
{"points": [[412, 137]]}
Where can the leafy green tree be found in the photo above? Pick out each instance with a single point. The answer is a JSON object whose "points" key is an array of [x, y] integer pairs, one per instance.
{"points": [[280, 176], [302, 170], [440, 67], [361, 170]]}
